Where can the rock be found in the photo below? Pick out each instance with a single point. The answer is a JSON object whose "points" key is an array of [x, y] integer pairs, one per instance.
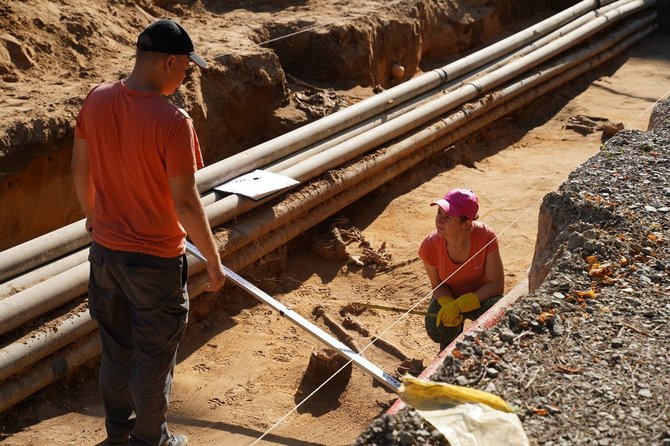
{"points": [[507, 335], [406, 438]]}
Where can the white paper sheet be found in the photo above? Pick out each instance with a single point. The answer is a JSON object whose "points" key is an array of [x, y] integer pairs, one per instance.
{"points": [[257, 184]]}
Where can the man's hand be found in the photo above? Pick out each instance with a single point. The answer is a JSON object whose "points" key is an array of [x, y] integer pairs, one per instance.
{"points": [[89, 225], [216, 276]]}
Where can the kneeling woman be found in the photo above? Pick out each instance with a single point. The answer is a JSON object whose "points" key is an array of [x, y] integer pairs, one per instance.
{"points": [[464, 266]]}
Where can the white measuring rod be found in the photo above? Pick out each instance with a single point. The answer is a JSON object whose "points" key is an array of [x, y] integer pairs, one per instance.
{"points": [[367, 366]]}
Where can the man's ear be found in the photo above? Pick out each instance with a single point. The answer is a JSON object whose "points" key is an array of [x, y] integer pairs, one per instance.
{"points": [[169, 62]]}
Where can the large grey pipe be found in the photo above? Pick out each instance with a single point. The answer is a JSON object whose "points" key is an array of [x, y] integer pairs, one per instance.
{"points": [[25, 256], [32, 302], [23, 281]]}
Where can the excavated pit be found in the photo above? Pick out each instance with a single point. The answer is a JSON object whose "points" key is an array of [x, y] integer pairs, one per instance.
{"points": [[323, 365], [252, 93]]}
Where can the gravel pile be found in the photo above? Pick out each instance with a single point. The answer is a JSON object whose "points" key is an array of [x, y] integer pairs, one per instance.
{"points": [[584, 358]]}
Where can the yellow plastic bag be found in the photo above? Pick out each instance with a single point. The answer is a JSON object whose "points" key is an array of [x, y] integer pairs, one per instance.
{"points": [[466, 417]]}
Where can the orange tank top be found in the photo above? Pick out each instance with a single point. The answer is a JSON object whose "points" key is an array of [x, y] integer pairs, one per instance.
{"points": [[471, 274]]}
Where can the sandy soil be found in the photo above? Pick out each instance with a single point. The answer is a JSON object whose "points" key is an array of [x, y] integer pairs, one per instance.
{"points": [[241, 367]]}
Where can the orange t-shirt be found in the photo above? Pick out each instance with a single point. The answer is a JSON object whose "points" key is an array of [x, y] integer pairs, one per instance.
{"points": [[136, 141], [472, 275]]}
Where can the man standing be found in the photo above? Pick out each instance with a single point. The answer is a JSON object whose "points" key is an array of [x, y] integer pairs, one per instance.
{"points": [[134, 160]]}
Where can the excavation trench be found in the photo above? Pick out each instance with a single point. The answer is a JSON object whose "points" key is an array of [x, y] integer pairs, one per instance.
{"points": [[55, 291], [333, 276]]}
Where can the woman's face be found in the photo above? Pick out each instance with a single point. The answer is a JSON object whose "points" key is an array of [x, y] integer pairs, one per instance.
{"points": [[448, 225]]}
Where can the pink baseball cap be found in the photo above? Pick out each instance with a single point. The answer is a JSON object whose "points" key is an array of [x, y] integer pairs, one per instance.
{"points": [[459, 203]]}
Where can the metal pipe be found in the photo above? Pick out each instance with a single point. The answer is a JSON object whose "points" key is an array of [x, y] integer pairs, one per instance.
{"points": [[47, 371], [60, 289], [30, 278], [41, 343], [25, 256], [278, 166], [34, 300]]}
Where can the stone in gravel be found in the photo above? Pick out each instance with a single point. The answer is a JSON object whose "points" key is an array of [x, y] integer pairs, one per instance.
{"points": [[461, 380], [646, 393], [616, 343], [556, 326], [492, 372], [406, 439], [590, 234], [506, 335]]}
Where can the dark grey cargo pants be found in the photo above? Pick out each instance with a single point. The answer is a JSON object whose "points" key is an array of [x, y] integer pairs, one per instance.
{"points": [[141, 306]]}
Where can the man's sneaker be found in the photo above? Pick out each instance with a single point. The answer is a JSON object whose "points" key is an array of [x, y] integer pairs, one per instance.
{"points": [[176, 440]]}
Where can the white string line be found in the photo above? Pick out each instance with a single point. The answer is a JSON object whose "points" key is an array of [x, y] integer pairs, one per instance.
{"points": [[322, 25], [301, 31], [281, 420], [292, 34], [649, 108], [405, 314], [309, 28]]}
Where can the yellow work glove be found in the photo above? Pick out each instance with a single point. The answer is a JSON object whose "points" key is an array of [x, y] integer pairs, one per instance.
{"points": [[468, 302], [449, 314]]}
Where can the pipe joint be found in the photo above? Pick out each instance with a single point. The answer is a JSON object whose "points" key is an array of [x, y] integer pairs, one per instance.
{"points": [[444, 75], [477, 86]]}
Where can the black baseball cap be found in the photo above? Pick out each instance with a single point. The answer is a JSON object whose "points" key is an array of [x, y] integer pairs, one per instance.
{"points": [[166, 36]]}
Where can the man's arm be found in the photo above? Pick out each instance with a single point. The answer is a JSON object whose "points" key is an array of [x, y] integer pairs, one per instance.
{"points": [[192, 216], [83, 183]]}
